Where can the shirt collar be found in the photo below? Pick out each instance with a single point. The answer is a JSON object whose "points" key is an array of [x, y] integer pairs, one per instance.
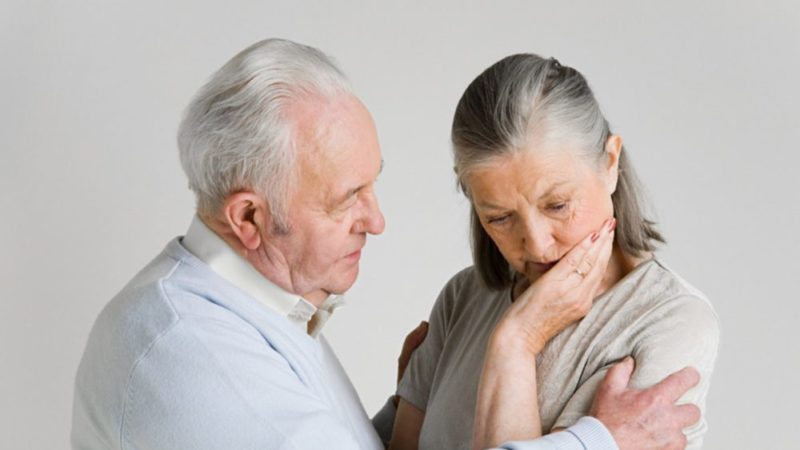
{"points": [[207, 246]]}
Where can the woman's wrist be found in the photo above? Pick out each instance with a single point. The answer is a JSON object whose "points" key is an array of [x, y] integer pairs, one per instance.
{"points": [[514, 341]]}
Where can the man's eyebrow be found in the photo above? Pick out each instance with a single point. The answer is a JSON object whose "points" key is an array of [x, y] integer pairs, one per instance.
{"points": [[355, 190]]}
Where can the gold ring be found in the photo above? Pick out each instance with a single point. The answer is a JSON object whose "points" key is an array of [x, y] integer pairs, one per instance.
{"points": [[578, 271]]}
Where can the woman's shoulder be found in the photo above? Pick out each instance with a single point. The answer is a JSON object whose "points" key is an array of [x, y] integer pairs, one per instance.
{"points": [[467, 280], [466, 290], [468, 276], [675, 285], [662, 292]]}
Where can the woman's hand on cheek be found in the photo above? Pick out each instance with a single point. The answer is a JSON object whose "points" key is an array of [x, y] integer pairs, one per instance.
{"points": [[561, 296]]}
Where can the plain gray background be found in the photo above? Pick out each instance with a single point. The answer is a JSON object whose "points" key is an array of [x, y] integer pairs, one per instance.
{"points": [[705, 95]]}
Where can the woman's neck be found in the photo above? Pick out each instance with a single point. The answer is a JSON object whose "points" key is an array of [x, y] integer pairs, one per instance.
{"points": [[620, 264]]}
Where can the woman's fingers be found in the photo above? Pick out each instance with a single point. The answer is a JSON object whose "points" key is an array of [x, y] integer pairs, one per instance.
{"points": [[598, 257], [595, 260], [569, 266], [589, 257]]}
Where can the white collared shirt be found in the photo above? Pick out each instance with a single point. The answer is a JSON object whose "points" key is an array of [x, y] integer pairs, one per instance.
{"points": [[212, 250]]}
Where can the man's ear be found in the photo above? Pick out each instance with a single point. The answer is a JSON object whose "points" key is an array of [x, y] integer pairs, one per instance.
{"points": [[613, 152], [247, 215]]}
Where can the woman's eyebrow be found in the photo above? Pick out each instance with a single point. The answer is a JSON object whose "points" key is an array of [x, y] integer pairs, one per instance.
{"points": [[552, 188], [488, 205], [491, 206]]}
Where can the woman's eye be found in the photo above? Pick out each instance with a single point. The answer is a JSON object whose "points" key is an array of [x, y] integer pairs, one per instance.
{"points": [[556, 207], [499, 220]]}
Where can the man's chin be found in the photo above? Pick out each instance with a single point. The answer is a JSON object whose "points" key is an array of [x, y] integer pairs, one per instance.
{"points": [[345, 281]]}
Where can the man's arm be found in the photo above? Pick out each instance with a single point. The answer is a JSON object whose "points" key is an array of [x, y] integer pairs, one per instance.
{"points": [[384, 420], [587, 433]]}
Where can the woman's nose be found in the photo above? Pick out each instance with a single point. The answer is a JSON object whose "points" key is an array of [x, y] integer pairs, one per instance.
{"points": [[537, 239]]}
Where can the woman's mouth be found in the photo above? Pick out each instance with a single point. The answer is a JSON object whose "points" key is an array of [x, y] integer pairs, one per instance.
{"points": [[542, 267]]}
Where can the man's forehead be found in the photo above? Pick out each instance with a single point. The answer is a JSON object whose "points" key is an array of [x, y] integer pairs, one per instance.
{"points": [[336, 145], [323, 124]]}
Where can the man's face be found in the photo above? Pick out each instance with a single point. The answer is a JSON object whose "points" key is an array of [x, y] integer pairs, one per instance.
{"points": [[333, 205]]}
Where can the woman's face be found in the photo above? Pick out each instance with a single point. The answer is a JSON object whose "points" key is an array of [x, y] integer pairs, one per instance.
{"points": [[538, 204]]}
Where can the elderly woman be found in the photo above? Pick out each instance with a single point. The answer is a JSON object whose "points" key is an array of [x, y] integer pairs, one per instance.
{"points": [[536, 158]]}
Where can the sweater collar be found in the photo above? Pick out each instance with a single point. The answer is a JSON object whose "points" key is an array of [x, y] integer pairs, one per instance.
{"points": [[207, 246]]}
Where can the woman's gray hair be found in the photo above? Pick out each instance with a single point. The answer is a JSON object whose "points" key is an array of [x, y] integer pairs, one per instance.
{"points": [[236, 134], [523, 99]]}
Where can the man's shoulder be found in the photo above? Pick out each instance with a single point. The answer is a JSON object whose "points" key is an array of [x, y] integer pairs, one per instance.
{"points": [[155, 330], [172, 289], [148, 304]]}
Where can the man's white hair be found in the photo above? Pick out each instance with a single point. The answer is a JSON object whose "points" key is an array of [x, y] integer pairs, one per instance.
{"points": [[236, 135]]}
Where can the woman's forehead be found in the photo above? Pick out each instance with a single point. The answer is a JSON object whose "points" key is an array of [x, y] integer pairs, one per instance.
{"points": [[542, 165], [534, 174]]}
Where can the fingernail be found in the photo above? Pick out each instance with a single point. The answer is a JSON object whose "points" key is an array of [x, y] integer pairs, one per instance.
{"points": [[595, 236], [612, 224]]}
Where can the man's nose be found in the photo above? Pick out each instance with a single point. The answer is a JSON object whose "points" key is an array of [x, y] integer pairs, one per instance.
{"points": [[373, 221]]}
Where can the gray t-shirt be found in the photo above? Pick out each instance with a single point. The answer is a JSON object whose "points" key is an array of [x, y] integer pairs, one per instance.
{"points": [[651, 314]]}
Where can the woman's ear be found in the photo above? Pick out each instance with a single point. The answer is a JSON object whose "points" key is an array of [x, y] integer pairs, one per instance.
{"points": [[613, 152], [247, 215]]}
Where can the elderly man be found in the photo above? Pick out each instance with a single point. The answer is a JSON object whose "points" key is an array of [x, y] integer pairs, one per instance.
{"points": [[216, 343]]}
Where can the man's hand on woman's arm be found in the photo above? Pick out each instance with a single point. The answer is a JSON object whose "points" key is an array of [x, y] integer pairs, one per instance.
{"points": [[384, 420], [408, 418], [645, 419]]}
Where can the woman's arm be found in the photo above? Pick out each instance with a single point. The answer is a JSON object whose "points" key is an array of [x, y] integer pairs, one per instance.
{"points": [[675, 332], [507, 406]]}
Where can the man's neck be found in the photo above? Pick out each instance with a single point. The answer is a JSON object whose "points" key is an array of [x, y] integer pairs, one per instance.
{"points": [[269, 264]]}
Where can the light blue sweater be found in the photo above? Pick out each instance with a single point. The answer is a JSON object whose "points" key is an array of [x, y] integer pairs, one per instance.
{"points": [[182, 359]]}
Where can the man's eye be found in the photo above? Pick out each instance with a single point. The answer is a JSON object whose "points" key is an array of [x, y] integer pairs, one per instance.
{"points": [[556, 207], [349, 202]]}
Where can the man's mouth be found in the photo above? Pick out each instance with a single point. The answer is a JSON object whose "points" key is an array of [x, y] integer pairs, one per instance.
{"points": [[355, 256]]}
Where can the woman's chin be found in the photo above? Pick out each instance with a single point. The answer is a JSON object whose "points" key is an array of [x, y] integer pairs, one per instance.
{"points": [[533, 271]]}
